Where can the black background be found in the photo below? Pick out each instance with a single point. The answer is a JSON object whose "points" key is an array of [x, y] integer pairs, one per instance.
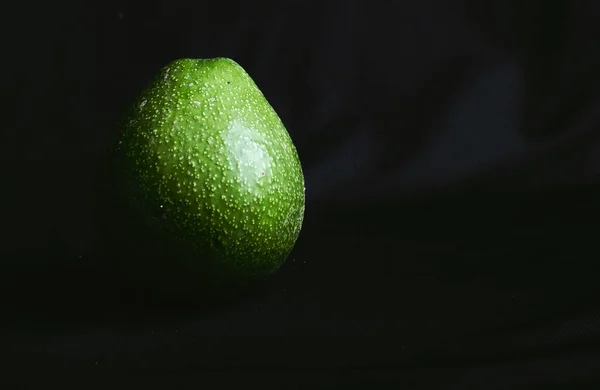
{"points": [[450, 157]]}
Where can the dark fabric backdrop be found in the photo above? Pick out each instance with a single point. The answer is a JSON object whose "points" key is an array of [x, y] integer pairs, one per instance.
{"points": [[450, 152]]}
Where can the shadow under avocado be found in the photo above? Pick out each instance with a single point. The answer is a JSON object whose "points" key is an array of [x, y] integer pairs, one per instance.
{"points": [[77, 290], [72, 292]]}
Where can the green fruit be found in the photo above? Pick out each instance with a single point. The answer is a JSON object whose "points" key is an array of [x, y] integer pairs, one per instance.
{"points": [[207, 185]]}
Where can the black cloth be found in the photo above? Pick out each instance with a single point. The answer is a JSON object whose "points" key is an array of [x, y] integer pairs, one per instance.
{"points": [[450, 152]]}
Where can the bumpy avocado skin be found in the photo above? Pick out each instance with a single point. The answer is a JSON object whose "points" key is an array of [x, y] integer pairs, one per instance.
{"points": [[207, 184]]}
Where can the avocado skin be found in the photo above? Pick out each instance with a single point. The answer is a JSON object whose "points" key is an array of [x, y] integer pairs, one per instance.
{"points": [[204, 190]]}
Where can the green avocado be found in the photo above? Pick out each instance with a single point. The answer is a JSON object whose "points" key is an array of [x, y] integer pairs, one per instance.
{"points": [[206, 185]]}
